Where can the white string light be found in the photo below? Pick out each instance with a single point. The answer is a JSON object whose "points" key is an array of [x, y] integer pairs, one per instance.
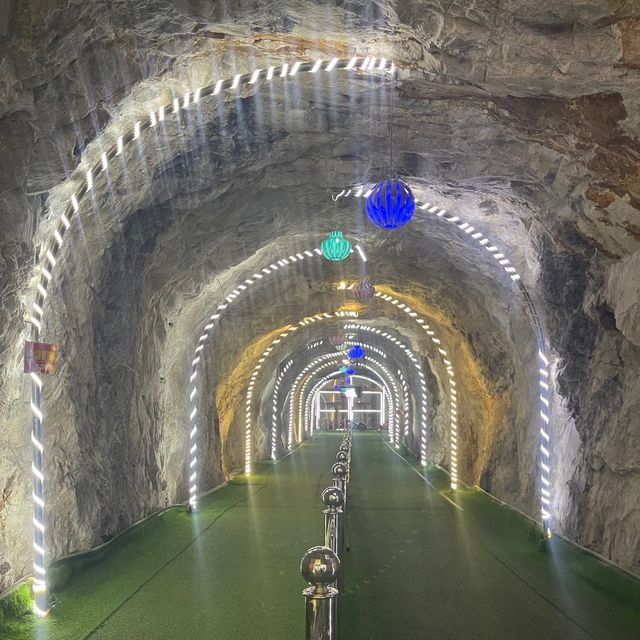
{"points": [[117, 150], [274, 417], [265, 354]]}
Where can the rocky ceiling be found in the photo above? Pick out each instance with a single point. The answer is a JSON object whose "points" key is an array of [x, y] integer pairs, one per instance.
{"points": [[521, 118]]}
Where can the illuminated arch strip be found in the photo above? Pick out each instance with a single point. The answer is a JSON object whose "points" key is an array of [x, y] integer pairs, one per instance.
{"points": [[405, 403], [62, 224], [248, 449], [314, 396], [423, 389], [233, 296], [453, 394], [385, 377], [274, 416], [542, 365]]}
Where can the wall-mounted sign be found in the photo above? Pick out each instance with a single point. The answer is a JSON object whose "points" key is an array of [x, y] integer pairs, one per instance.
{"points": [[40, 357]]}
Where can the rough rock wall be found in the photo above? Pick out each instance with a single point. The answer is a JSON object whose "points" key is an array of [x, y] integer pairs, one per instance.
{"points": [[521, 117]]}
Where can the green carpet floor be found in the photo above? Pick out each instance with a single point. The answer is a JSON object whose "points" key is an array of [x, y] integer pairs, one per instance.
{"points": [[418, 568]]}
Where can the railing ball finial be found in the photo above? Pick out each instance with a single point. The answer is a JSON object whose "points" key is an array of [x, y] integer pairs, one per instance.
{"points": [[339, 469], [320, 567], [332, 497]]}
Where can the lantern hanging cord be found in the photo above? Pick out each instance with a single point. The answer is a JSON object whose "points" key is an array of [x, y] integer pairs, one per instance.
{"points": [[391, 127]]}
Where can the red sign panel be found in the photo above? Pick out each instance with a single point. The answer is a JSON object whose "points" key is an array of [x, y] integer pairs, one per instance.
{"points": [[40, 357]]}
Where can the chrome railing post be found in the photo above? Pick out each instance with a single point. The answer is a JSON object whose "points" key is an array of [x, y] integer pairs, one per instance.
{"points": [[339, 471], [332, 498], [320, 567]]}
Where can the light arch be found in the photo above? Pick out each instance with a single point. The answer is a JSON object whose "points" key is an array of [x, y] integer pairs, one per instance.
{"points": [[100, 166], [314, 396]]}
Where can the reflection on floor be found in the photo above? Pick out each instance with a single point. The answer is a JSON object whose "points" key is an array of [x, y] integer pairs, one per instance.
{"points": [[418, 566]]}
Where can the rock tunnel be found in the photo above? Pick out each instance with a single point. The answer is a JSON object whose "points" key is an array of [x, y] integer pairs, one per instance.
{"points": [[169, 172]]}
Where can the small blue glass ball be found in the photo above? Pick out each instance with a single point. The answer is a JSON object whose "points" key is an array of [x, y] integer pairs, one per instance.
{"points": [[350, 371], [356, 352], [390, 204]]}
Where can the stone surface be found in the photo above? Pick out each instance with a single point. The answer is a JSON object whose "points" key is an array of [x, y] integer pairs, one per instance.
{"points": [[520, 118]]}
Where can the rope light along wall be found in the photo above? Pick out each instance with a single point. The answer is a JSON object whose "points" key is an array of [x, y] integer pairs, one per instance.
{"points": [[248, 451], [423, 385], [453, 394], [274, 416], [98, 171], [232, 297], [296, 382], [315, 344], [405, 403], [304, 408], [542, 366]]}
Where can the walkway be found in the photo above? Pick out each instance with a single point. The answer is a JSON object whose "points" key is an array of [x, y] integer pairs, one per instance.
{"points": [[418, 567]]}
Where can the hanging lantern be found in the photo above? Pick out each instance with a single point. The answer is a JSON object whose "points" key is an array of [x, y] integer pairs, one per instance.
{"points": [[356, 352], [336, 387], [343, 369], [364, 291], [337, 340], [336, 247], [350, 371], [390, 204], [342, 347]]}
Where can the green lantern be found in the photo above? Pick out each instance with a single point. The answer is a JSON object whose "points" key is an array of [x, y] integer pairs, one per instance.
{"points": [[336, 247]]}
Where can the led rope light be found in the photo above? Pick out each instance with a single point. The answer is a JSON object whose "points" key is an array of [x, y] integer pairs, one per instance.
{"points": [[405, 402], [231, 297], [394, 398], [274, 417], [544, 377], [63, 223], [248, 451], [453, 394], [423, 386], [314, 394]]}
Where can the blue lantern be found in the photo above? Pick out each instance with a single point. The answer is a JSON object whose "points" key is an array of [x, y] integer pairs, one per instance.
{"points": [[356, 352], [350, 371], [336, 247], [390, 204]]}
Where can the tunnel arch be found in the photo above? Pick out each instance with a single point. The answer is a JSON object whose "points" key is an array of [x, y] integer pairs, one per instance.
{"points": [[49, 262], [315, 366], [378, 368], [316, 388], [392, 394]]}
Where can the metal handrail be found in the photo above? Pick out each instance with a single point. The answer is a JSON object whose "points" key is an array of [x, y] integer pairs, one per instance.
{"points": [[321, 566]]}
